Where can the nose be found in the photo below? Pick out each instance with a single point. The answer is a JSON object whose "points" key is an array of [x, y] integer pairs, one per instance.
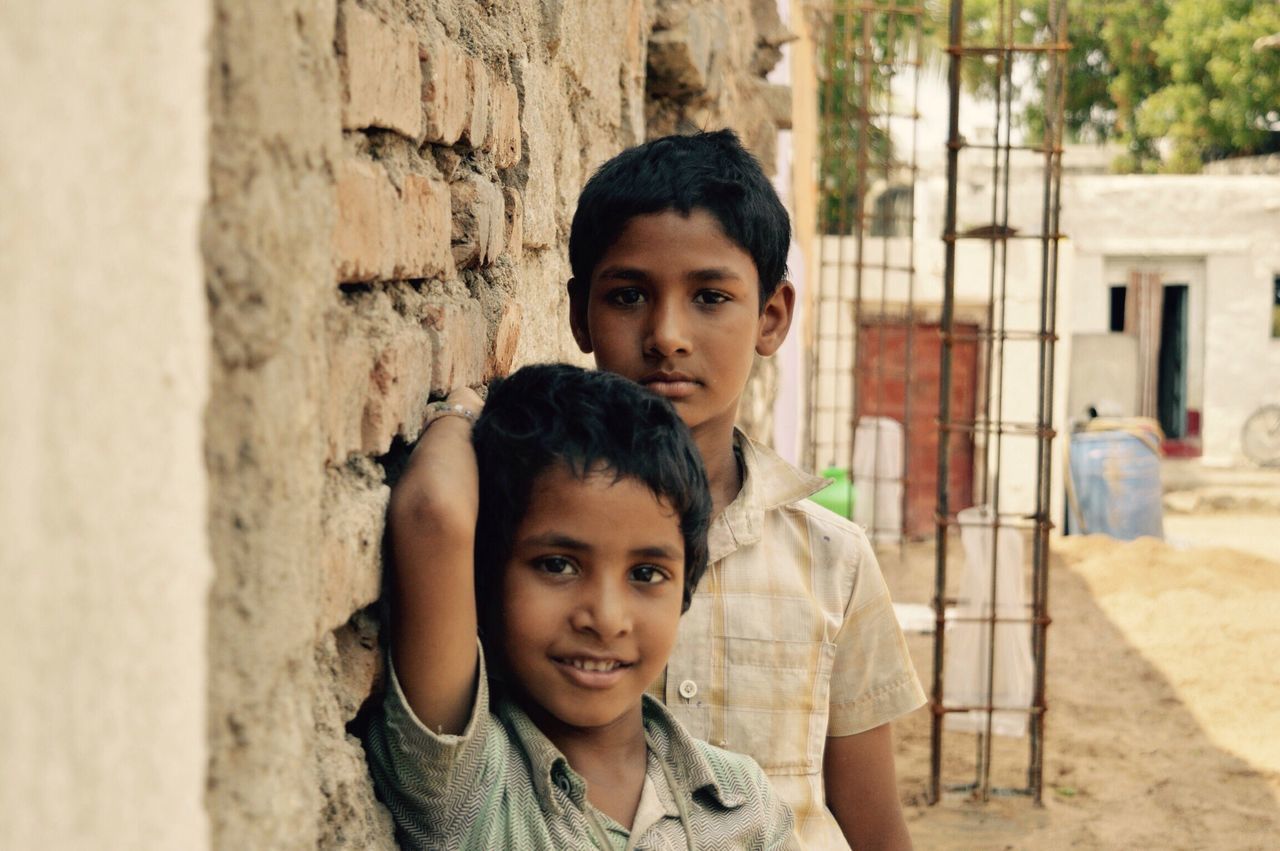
{"points": [[603, 610], [668, 331]]}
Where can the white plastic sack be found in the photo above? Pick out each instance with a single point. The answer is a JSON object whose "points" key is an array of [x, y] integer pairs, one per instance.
{"points": [[877, 478], [965, 677]]}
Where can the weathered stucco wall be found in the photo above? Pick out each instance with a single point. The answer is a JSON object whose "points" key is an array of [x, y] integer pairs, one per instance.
{"points": [[103, 378], [392, 184]]}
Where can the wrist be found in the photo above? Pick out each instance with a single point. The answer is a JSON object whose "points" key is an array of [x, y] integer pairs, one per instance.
{"points": [[439, 410]]}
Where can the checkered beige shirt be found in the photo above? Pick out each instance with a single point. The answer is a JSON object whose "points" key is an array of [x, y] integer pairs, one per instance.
{"points": [[791, 638]]}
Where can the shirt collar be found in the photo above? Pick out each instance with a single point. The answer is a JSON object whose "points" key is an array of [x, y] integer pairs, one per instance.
{"points": [[550, 770], [547, 766], [768, 482]]}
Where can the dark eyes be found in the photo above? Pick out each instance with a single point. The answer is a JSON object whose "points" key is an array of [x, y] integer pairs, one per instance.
{"points": [[644, 574], [710, 297], [648, 574], [556, 566], [626, 297], [632, 296]]}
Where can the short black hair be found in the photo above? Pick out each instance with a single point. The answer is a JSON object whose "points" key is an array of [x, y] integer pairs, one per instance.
{"points": [[704, 171], [550, 414]]}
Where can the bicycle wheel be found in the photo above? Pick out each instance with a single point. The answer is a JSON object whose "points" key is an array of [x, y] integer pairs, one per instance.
{"points": [[1260, 437]]}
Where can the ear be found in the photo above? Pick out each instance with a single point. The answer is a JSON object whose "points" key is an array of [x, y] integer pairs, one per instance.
{"points": [[775, 319], [579, 294]]}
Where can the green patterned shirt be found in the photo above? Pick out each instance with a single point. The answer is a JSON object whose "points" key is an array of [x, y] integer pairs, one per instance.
{"points": [[501, 784]]}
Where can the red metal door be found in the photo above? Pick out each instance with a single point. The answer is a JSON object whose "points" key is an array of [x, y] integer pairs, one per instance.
{"points": [[885, 377]]}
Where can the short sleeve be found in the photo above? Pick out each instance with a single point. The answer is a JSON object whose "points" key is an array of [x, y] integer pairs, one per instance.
{"points": [[425, 777], [872, 680]]}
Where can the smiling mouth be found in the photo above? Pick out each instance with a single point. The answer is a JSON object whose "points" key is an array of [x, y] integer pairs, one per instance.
{"points": [[592, 673], [594, 665]]}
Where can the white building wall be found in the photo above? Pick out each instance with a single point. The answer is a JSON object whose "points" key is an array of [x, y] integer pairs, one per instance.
{"points": [[103, 378], [1221, 234]]}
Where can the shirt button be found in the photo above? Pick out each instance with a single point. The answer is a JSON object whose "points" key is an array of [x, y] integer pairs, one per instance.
{"points": [[562, 781], [688, 689]]}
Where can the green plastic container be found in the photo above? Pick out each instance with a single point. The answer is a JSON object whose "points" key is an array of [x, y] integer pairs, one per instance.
{"points": [[839, 495]]}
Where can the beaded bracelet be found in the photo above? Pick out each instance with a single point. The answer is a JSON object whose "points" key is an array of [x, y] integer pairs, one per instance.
{"points": [[436, 410]]}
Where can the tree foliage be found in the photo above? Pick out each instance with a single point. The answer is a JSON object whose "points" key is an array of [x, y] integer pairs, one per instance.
{"points": [[856, 70], [1176, 82]]}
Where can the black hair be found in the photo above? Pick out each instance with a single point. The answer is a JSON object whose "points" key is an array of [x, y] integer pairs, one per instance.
{"points": [[704, 171], [551, 414]]}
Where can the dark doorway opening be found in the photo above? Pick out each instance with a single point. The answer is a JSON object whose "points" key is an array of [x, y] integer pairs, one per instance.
{"points": [[1116, 319], [1171, 378]]}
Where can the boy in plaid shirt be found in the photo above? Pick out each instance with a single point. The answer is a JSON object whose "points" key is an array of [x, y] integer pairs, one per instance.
{"points": [[790, 651]]}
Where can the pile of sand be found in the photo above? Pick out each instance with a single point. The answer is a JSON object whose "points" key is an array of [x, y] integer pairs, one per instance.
{"points": [[1164, 696]]}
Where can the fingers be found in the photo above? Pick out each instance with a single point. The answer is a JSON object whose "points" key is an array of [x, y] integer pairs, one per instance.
{"points": [[467, 398]]}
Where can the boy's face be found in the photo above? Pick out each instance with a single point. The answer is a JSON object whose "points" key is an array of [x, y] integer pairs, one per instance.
{"points": [[674, 304], [591, 598]]}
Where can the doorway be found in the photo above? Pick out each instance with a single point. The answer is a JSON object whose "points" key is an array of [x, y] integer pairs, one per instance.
{"points": [[1171, 375]]}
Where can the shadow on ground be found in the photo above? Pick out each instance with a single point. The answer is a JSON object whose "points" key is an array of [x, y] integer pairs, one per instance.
{"points": [[1126, 764]]}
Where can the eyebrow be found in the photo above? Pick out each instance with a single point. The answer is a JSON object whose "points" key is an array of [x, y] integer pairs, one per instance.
{"points": [[561, 541], [631, 273], [554, 539], [716, 273], [623, 273]]}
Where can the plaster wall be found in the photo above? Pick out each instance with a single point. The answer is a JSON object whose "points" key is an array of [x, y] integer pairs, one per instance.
{"points": [[103, 381]]}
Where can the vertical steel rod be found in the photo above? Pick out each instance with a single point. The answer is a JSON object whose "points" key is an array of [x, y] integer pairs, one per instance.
{"points": [[954, 143]]}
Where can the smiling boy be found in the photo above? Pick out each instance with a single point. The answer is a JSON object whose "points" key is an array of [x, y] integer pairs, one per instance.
{"points": [[790, 652], [572, 538]]}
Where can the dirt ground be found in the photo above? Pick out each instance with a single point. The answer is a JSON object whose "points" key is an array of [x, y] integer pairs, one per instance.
{"points": [[1164, 697]]}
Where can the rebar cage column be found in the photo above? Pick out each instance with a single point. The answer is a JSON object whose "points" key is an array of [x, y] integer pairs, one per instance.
{"points": [[869, 60], [1044, 56]]}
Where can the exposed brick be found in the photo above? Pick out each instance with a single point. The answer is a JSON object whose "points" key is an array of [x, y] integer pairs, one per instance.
{"points": [[513, 236], [476, 130], [396, 400], [365, 197], [504, 140], [777, 100], [478, 221], [354, 506], [380, 72], [459, 336], [680, 57], [422, 249], [445, 92], [382, 234], [346, 387], [506, 339]]}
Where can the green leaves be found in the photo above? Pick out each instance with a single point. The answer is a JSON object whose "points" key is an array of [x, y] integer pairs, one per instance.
{"points": [[1180, 76]]}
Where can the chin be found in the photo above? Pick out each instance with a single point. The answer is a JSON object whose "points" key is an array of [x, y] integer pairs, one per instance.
{"points": [[586, 718]]}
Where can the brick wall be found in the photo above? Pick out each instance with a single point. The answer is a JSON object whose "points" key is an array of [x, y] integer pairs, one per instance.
{"points": [[392, 183]]}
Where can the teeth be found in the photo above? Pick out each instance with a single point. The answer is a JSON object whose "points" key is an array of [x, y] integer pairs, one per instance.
{"points": [[593, 665]]}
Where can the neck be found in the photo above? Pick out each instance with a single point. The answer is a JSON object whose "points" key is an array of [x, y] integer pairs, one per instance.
{"points": [[715, 442]]}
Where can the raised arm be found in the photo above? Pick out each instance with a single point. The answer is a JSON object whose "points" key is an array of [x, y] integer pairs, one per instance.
{"points": [[432, 521]]}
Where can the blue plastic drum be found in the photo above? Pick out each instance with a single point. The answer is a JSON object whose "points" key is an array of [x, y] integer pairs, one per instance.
{"points": [[1116, 479]]}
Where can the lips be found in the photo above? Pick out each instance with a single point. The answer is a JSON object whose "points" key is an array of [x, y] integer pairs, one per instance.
{"points": [[672, 385], [591, 672]]}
